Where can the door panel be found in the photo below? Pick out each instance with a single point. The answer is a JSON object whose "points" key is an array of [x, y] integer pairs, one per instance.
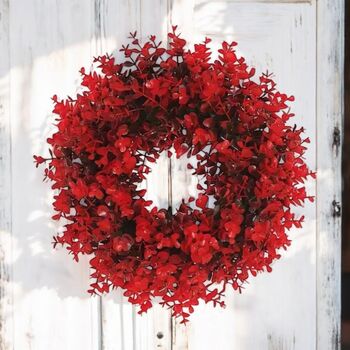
{"points": [[43, 301]]}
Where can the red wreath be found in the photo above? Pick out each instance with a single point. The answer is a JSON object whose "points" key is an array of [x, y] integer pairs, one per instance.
{"points": [[250, 160]]}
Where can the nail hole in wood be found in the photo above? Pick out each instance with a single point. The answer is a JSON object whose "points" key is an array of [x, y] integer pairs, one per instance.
{"points": [[160, 335]]}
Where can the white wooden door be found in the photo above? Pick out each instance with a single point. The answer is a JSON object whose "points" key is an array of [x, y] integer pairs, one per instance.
{"points": [[43, 299]]}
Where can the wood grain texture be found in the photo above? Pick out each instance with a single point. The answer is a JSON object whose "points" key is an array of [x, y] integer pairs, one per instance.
{"points": [[279, 38], [346, 154], [330, 55], [6, 301], [49, 43], [260, 1], [122, 327]]}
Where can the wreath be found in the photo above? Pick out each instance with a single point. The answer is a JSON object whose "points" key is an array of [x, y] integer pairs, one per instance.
{"points": [[248, 157]]}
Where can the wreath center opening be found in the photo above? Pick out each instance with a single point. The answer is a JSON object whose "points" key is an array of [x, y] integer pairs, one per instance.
{"points": [[170, 182]]}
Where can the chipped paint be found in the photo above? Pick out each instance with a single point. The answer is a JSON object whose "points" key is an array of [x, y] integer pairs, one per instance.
{"points": [[330, 56], [336, 212], [336, 139], [275, 342], [267, 1]]}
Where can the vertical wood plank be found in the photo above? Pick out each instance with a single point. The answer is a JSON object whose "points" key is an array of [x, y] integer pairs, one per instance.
{"points": [[50, 41], [330, 56], [264, 1], [154, 21], [122, 327], [183, 186], [280, 38], [5, 183], [111, 22]]}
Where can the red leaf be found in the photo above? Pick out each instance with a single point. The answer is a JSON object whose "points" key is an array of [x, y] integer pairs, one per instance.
{"points": [[202, 201]]}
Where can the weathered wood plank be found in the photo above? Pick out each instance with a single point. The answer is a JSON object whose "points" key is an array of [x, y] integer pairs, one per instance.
{"points": [[6, 300], [330, 55], [280, 38], [259, 1], [154, 20], [122, 327], [50, 41], [111, 23]]}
